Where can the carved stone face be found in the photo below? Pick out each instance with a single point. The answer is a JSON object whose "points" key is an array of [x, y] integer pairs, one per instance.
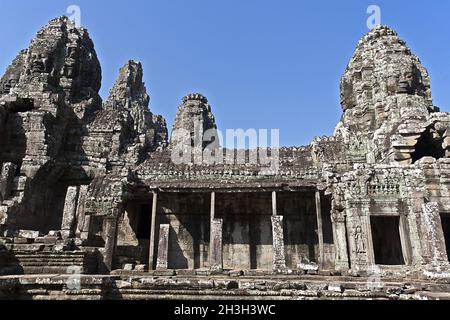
{"points": [[10, 83], [406, 83], [37, 64], [72, 53]]}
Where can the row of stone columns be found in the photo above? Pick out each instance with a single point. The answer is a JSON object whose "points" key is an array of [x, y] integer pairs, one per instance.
{"points": [[216, 234]]}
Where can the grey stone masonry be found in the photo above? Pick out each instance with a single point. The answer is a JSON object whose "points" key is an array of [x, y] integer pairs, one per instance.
{"points": [[70, 211], [216, 258], [434, 235], [279, 259], [163, 247], [6, 180]]}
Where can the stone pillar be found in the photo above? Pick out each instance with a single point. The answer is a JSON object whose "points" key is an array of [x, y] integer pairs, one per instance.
{"points": [[86, 232], [340, 241], [215, 239], [69, 214], [7, 180], [418, 251], [151, 254], [163, 247], [434, 235], [110, 233], [213, 206], [319, 228], [279, 258], [80, 214], [274, 203], [215, 246]]}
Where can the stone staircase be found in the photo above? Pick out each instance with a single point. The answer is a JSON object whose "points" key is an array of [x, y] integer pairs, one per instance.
{"points": [[67, 262]]}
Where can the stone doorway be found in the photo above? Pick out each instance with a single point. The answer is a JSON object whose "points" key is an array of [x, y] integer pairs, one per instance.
{"points": [[387, 244]]}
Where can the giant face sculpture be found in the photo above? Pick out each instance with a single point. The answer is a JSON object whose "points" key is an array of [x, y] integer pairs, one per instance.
{"points": [[37, 64], [405, 77], [406, 83], [9, 84]]}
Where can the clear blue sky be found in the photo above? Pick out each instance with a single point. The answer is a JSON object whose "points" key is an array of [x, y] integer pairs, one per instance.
{"points": [[262, 64]]}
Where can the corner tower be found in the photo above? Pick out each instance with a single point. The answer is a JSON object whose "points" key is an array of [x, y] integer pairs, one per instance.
{"points": [[386, 99], [194, 122]]}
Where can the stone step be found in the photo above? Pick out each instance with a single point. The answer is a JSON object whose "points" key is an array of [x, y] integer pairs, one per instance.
{"points": [[43, 262], [65, 253], [49, 256], [51, 264], [46, 270], [50, 261], [46, 262]]}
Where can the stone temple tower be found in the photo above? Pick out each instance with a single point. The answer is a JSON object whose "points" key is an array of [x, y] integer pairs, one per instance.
{"points": [[194, 125], [386, 98]]}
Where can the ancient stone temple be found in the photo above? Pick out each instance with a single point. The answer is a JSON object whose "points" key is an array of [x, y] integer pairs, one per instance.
{"points": [[91, 190]]}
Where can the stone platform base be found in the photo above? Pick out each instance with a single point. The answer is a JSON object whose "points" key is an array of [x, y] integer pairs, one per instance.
{"points": [[97, 287]]}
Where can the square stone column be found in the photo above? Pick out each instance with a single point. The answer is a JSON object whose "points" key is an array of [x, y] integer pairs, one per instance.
{"points": [[151, 254], [163, 247], [340, 241], [69, 213], [215, 246], [86, 231], [434, 236], [80, 213], [319, 227], [7, 180], [110, 241], [279, 258]]}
